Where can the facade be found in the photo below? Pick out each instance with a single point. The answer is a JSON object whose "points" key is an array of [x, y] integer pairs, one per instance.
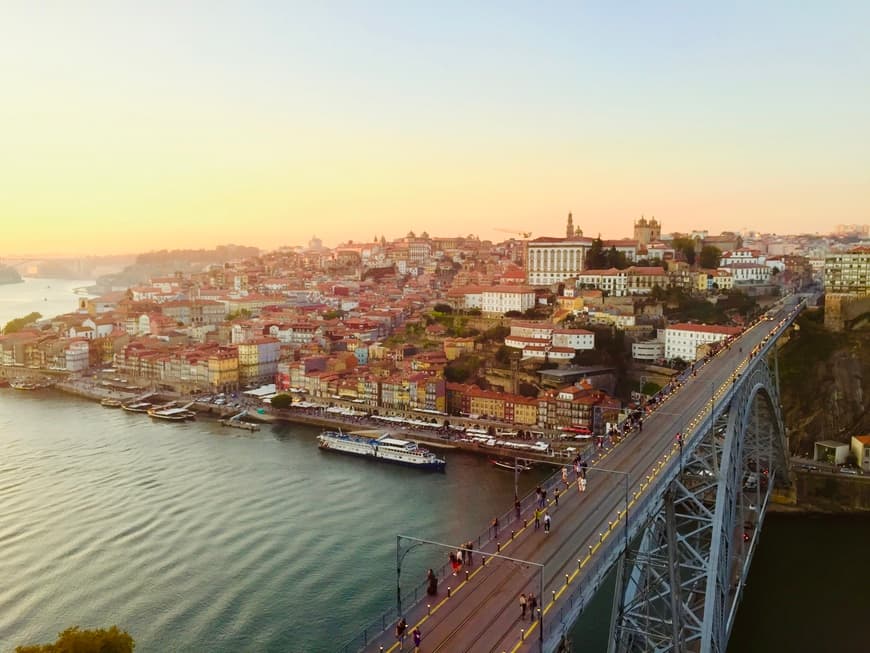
{"points": [[861, 449], [741, 256], [552, 260], [649, 350], [682, 340], [848, 272], [747, 272], [831, 452], [543, 340], [647, 231]]}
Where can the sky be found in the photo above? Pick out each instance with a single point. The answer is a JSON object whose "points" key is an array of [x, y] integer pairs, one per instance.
{"points": [[132, 126]]}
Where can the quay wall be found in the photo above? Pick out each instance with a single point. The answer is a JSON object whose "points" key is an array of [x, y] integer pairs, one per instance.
{"points": [[823, 492]]}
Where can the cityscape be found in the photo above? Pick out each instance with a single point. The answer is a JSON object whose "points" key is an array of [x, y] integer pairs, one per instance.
{"points": [[582, 296]]}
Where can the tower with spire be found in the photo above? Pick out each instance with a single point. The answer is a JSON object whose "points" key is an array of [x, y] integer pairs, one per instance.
{"points": [[569, 230]]}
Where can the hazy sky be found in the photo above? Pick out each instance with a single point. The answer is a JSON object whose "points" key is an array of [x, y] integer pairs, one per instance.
{"points": [[132, 126]]}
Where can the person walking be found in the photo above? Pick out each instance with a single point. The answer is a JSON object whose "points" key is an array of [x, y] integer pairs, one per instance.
{"points": [[544, 498], [583, 484], [533, 606], [556, 497], [537, 518], [517, 507], [522, 607], [418, 637], [565, 476], [401, 627], [547, 523]]}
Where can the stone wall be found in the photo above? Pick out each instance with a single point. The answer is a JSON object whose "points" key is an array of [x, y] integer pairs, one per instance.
{"points": [[841, 309]]}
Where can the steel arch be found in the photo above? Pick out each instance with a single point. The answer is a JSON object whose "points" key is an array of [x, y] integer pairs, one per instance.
{"points": [[681, 582]]}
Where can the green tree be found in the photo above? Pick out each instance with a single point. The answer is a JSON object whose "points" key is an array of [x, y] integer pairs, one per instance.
{"points": [[242, 313], [687, 247], [20, 322], [282, 401], [596, 258], [73, 640], [710, 257], [446, 309]]}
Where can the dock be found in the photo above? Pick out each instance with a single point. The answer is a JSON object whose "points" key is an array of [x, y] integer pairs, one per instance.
{"points": [[236, 422]]}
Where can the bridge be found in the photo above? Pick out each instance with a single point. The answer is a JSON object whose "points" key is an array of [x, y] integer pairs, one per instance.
{"points": [[676, 508]]}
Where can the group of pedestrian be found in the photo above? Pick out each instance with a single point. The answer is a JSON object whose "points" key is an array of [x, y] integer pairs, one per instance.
{"points": [[541, 496], [542, 515], [416, 635], [530, 602]]}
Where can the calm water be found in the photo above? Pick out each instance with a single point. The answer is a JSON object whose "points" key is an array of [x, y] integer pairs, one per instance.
{"points": [[195, 538], [47, 296]]}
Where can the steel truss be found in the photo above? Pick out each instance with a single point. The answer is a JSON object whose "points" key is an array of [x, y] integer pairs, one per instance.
{"points": [[681, 581]]}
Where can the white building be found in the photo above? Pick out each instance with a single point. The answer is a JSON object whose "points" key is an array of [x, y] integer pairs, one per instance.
{"points": [[573, 338], [743, 255], [551, 260], [682, 340], [77, 356], [539, 340], [747, 272], [495, 300], [648, 350]]}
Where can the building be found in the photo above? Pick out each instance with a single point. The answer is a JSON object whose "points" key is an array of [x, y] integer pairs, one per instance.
{"points": [[552, 260], [831, 452], [682, 340], [747, 273], [543, 340], [647, 231], [861, 449], [848, 272], [741, 256], [648, 350]]}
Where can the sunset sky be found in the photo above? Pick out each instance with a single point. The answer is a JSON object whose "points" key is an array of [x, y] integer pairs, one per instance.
{"points": [[135, 126]]}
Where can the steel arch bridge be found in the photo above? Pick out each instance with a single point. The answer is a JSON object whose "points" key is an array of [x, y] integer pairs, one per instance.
{"points": [[680, 583]]}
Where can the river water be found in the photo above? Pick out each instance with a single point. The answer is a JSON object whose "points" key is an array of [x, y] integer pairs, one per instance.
{"points": [[198, 538]]}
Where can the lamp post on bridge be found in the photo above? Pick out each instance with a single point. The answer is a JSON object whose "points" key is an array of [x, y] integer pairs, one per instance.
{"points": [[626, 478]]}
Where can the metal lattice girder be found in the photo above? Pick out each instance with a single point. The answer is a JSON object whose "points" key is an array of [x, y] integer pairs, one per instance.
{"points": [[681, 582]]}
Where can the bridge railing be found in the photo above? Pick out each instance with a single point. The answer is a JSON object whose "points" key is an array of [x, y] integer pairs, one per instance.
{"points": [[486, 541]]}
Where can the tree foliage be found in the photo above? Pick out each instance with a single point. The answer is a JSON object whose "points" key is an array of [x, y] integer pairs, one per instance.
{"points": [[686, 246], [446, 309], [462, 369], [282, 401], [73, 640], [710, 257], [20, 322], [596, 258]]}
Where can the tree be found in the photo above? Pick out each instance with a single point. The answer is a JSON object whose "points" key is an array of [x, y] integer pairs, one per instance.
{"points": [[687, 247], [282, 401], [19, 323], [710, 257], [446, 309], [596, 258], [72, 639]]}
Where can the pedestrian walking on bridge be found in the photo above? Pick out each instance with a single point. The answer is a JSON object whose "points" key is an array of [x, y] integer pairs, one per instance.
{"points": [[547, 523], [522, 607]]}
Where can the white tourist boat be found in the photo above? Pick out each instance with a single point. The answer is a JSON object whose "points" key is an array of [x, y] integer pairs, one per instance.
{"points": [[384, 448]]}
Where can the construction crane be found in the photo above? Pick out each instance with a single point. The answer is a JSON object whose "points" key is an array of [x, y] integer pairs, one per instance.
{"points": [[524, 234]]}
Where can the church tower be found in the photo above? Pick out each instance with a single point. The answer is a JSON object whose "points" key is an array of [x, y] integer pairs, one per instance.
{"points": [[569, 230]]}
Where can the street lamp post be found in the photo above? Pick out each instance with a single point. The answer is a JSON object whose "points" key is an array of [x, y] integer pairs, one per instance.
{"points": [[626, 479]]}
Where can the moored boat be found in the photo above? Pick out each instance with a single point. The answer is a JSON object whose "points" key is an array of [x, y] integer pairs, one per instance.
{"points": [[172, 414], [25, 385], [385, 447], [108, 402], [138, 407]]}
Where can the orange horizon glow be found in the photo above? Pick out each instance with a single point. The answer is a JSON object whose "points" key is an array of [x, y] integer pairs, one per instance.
{"points": [[130, 129]]}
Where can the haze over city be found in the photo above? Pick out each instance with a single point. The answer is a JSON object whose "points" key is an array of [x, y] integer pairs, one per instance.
{"points": [[130, 128]]}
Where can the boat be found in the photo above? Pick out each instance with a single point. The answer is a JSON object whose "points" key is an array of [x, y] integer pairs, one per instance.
{"points": [[138, 407], [108, 402], [172, 414], [25, 385], [385, 447], [4, 383], [523, 466]]}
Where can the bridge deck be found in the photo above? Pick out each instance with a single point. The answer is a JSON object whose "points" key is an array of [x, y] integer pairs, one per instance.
{"points": [[483, 612]]}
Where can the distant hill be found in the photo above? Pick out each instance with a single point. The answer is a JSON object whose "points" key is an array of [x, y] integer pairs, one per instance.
{"points": [[9, 275]]}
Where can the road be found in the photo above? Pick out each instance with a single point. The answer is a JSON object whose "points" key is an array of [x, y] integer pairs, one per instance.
{"points": [[483, 613]]}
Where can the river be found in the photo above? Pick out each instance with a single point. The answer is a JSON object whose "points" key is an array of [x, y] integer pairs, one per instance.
{"points": [[197, 538]]}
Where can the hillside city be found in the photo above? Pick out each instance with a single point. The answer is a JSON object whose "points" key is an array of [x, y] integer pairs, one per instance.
{"points": [[542, 333]]}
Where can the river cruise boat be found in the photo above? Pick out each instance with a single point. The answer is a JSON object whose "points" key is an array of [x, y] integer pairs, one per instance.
{"points": [[172, 414], [108, 402], [386, 448], [138, 407]]}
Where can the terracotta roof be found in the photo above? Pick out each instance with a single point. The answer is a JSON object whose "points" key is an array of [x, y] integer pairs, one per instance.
{"points": [[706, 328]]}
